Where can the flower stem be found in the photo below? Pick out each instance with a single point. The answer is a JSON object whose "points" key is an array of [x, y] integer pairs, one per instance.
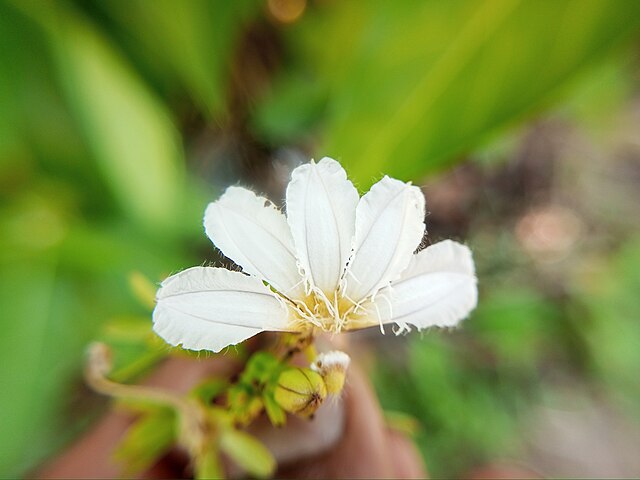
{"points": [[99, 365]]}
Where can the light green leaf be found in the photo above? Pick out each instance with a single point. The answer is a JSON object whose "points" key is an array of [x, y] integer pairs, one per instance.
{"points": [[192, 40], [276, 414], [248, 453], [261, 367], [143, 290], [290, 111], [207, 465], [147, 441], [40, 352], [135, 347], [514, 324], [612, 330], [127, 129], [412, 85], [209, 389], [25, 298], [33, 121]]}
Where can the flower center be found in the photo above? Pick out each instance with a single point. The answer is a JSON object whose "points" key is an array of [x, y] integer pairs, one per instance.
{"points": [[330, 314]]}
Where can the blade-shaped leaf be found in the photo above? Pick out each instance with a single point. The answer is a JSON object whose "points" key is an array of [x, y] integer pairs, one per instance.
{"points": [[191, 40], [411, 85], [248, 453], [146, 441], [127, 129]]}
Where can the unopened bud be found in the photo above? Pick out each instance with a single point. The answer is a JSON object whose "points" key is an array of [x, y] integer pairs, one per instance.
{"points": [[246, 407], [300, 391], [332, 367]]}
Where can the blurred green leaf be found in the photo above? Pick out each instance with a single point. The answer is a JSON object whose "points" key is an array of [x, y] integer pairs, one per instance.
{"points": [[261, 368], [191, 39], [275, 413], [25, 297], [601, 95], [142, 289], [413, 84], [460, 406], [34, 123], [515, 323], [612, 329], [135, 347], [121, 247], [208, 390], [207, 465], [40, 353], [127, 329], [147, 441], [290, 111], [248, 452], [128, 130]]}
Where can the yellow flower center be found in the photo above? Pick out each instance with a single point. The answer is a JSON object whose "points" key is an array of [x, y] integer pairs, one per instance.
{"points": [[330, 313]]}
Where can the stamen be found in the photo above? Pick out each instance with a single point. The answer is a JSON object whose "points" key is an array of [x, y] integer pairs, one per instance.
{"points": [[379, 317], [297, 285], [354, 308], [400, 329], [343, 281], [336, 312], [388, 300]]}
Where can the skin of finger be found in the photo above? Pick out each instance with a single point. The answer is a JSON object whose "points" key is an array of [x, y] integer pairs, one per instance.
{"points": [[91, 455], [367, 450], [407, 460], [502, 470]]}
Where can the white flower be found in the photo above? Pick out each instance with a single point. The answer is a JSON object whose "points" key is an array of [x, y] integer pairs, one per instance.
{"points": [[334, 262]]}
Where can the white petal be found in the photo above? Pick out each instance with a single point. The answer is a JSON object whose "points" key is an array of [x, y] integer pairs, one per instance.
{"points": [[254, 233], [205, 308], [389, 227], [321, 205], [439, 288]]}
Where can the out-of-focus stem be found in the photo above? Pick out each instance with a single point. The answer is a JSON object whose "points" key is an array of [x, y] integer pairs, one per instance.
{"points": [[97, 369], [193, 420]]}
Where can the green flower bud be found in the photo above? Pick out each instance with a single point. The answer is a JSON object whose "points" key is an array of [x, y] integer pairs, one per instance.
{"points": [[300, 391]]}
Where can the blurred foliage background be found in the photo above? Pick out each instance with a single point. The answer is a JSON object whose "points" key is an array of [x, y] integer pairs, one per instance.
{"points": [[120, 120]]}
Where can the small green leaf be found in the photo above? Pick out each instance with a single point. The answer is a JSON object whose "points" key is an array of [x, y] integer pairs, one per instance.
{"points": [[248, 452], [128, 329], [244, 403], [143, 290], [134, 345], [147, 441], [209, 389], [276, 414], [261, 367], [207, 465]]}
